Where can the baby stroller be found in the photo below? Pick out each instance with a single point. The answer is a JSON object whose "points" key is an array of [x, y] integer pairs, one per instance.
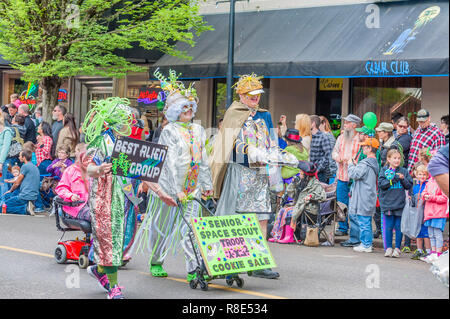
{"points": [[74, 250], [47, 191]]}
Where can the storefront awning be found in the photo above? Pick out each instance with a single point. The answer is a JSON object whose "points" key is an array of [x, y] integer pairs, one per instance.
{"points": [[362, 40]]}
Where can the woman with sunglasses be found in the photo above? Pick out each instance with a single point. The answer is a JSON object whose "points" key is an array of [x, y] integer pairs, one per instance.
{"points": [[403, 137]]}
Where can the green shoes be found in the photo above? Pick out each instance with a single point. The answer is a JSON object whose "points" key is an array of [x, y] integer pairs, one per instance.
{"points": [[417, 254], [406, 250], [158, 271], [193, 276]]}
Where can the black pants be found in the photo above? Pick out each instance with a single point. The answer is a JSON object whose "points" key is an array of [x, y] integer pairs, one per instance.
{"points": [[377, 218]]}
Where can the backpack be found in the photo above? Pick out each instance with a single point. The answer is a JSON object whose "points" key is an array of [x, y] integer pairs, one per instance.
{"points": [[16, 144]]}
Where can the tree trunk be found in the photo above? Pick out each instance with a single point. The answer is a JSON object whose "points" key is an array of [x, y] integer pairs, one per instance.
{"points": [[50, 88]]}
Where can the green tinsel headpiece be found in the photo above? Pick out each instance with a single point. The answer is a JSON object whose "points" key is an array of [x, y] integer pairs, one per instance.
{"points": [[172, 85], [113, 113]]}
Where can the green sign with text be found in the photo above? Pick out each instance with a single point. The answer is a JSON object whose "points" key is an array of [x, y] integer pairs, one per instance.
{"points": [[232, 244]]}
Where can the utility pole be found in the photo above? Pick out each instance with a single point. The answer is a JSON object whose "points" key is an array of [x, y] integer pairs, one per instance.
{"points": [[230, 64]]}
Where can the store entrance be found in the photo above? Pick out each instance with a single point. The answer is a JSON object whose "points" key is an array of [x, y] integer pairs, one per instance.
{"points": [[329, 97], [329, 101], [85, 89]]}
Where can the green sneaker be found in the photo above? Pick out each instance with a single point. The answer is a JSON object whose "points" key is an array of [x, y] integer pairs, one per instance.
{"points": [[406, 250], [191, 277], [158, 271], [417, 254]]}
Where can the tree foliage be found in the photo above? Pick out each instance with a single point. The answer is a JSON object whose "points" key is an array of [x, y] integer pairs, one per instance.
{"points": [[57, 39]]}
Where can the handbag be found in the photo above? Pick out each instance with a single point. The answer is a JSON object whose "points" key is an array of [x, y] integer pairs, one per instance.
{"points": [[312, 236], [16, 144], [412, 218]]}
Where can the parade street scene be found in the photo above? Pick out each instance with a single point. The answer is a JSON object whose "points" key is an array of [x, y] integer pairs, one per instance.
{"points": [[225, 157]]}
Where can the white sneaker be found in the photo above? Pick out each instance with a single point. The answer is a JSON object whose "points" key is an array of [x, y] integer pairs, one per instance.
{"points": [[388, 252], [362, 249], [30, 208], [430, 258], [396, 253]]}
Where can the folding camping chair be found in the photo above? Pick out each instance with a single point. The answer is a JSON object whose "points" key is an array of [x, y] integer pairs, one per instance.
{"points": [[327, 216]]}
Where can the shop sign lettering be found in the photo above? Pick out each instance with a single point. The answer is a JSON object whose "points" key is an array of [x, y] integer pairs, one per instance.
{"points": [[326, 84], [381, 68], [62, 95], [150, 96]]}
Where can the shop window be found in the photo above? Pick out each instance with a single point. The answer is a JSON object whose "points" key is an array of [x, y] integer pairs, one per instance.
{"points": [[220, 97], [386, 96], [329, 100]]}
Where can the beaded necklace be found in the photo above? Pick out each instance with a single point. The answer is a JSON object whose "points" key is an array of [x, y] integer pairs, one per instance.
{"points": [[190, 183]]}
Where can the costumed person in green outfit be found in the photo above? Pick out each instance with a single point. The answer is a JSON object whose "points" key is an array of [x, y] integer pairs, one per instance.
{"points": [[185, 176], [295, 147], [112, 199], [245, 159], [288, 173]]}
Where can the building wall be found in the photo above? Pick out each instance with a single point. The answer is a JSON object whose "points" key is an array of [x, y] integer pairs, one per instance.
{"points": [[211, 6], [7, 89], [345, 97], [291, 97], [435, 96], [205, 105]]}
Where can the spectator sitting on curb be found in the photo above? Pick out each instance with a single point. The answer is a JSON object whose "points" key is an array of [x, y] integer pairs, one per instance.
{"points": [[28, 184]]}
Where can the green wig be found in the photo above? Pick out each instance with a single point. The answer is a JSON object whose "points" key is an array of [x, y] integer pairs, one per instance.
{"points": [[112, 113]]}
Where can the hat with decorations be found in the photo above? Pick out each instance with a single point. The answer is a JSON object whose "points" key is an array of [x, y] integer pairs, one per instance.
{"points": [[179, 98], [249, 84]]}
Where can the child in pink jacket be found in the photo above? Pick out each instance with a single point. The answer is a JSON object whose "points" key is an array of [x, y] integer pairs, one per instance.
{"points": [[74, 186], [435, 216]]}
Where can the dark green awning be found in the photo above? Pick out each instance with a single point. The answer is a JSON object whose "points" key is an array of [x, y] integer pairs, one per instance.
{"points": [[334, 41]]}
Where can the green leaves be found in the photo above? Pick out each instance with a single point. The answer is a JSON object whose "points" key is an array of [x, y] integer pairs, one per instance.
{"points": [[65, 38]]}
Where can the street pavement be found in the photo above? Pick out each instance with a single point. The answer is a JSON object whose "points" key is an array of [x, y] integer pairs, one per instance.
{"points": [[29, 271]]}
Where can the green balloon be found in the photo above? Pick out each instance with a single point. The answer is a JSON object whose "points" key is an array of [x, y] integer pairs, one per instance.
{"points": [[160, 105], [370, 120]]}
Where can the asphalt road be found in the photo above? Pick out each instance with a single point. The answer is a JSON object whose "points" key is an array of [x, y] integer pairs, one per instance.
{"points": [[29, 271]]}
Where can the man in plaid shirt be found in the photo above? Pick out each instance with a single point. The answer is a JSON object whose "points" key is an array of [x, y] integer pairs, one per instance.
{"points": [[426, 135], [320, 150]]}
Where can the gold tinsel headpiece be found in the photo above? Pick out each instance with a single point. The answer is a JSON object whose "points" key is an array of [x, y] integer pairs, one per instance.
{"points": [[248, 83]]}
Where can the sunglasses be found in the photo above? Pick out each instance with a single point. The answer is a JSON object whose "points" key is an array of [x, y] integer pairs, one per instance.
{"points": [[253, 95], [402, 126]]}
